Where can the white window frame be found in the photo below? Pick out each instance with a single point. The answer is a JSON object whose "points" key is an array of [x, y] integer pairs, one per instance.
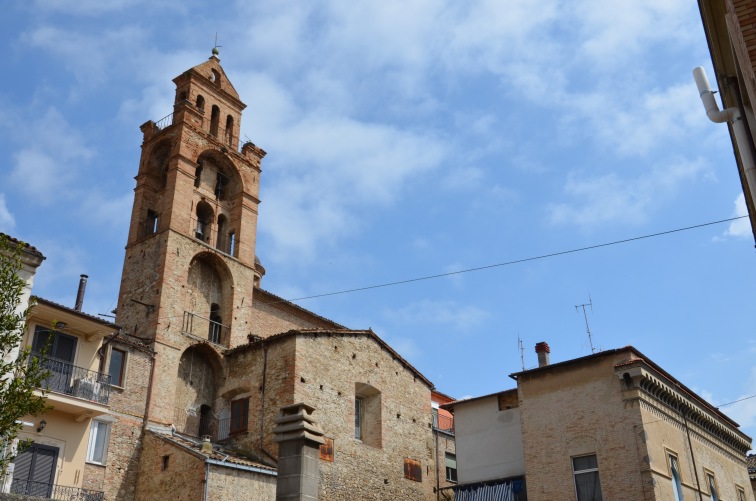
{"points": [[575, 474], [674, 470], [96, 428]]}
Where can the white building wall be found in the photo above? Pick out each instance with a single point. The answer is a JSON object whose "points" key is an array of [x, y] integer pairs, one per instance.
{"points": [[489, 441]]}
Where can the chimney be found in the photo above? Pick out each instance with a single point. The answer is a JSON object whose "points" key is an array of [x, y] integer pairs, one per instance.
{"points": [[80, 293], [207, 447], [543, 351]]}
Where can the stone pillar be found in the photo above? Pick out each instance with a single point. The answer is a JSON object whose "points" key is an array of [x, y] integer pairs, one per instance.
{"points": [[299, 439]]}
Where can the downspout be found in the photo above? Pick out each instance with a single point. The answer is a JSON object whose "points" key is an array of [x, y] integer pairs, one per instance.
{"points": [[692, 455], [438, 463], [734, 116], [207, 481]]}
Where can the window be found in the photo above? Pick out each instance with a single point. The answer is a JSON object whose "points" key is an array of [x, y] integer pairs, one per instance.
{"points": [[367, 414], [221, 181], [587, 485], [61, 347], [676, 480], [359, 405], [712, 487], [326, 450], [97, 450], [239, 415], [200, 103], [741, 494], [198, 175], [214, 117], [451, 467], [413, 470], [117, 366]]}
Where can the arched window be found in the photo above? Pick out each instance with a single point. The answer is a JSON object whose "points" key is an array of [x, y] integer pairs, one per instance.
{"points": [[214, 118], [204, 221], [200, 103], [181, 97], [229, 130], [215, 77]]}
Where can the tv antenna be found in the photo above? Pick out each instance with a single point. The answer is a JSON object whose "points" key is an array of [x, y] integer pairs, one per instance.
{"points": [[585, 315], [522, 350]]}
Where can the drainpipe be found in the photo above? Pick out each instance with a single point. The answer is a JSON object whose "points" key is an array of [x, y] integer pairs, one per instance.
{"points": [[734, 116], [149, 394], [262, 405], [207, 481]]}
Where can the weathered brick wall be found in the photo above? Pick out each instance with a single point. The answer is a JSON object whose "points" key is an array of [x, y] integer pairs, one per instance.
{"points": [[182, 480], [227, 484], [127, 405], [578, 410], [327, 370]]}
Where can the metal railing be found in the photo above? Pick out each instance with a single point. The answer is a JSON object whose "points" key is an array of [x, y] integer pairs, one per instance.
{"points": [[204, 328], [444, 423], [165, 122], [200, 426], [220, 134], [79, 382], [54, 491]]}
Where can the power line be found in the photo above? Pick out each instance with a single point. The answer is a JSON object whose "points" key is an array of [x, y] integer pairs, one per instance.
{"points": [[736, 401], [516, 261]]}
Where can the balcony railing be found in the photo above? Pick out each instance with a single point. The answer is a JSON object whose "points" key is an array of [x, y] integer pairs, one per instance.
{"points": [[201, 327], [200, 426], [443, 423], [164, 122], [78, 382], [53, 491]]}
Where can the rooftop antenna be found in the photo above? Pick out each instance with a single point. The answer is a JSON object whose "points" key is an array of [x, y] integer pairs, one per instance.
{"points": [[522, 350], [585, 315], [216, 46]]}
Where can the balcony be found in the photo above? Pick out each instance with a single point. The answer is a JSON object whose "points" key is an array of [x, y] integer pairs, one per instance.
{"points": [[443, 423], [75, 389], [203, 328], [53, 491], [202, 425]]}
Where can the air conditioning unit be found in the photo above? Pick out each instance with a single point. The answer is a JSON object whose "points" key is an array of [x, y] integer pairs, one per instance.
{"points": [[84, 388]]}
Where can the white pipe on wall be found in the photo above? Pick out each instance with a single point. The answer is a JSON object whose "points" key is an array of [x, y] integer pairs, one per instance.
{"points": [[738, 126]]}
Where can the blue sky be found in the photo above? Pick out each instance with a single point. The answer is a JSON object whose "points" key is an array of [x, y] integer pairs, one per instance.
{"points": [[407, 139]]}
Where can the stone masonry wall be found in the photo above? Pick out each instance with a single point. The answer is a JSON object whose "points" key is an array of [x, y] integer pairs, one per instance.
{"points": [[180, 479], [328, 369], [226, 484], [572, 411], [270, 317]]}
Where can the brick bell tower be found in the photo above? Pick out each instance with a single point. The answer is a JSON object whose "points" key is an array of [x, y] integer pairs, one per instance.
{"points": [[190, 265]]}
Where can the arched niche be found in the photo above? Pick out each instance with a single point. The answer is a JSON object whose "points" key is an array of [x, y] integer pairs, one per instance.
{"points": [[219, 179], [156, 167], [200, 375], [204, 216], [211, 297]]}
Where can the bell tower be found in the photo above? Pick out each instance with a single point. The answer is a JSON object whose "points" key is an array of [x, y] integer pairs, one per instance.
{"points": [[190, 266]]}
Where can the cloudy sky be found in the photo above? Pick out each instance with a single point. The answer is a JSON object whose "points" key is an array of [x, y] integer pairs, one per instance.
{"points": [[407, 139]]}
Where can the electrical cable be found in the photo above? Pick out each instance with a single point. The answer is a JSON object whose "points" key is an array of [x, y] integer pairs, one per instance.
{"points": [[516, 261]]}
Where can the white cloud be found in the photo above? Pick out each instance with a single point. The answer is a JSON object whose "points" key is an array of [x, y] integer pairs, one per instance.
{"points": [[740, 228], [7, 221], [449, 313], [610, 198]]}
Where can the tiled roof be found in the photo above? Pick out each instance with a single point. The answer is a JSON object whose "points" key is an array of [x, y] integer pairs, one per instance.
{"points": [[219, 453], [751, 462], [451, 405], [28, 248], [77, 313], [330, 332]]}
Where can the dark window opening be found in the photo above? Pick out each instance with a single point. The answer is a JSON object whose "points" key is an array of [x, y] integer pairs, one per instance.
{"points": [[221, 244], [204, 221], [214, 332], [206, 416], [214, 118], [200, 103], [239, 415], [198, 176], [221, 185], [117, 366], [166, 460], [229, 130], [182, 96]]}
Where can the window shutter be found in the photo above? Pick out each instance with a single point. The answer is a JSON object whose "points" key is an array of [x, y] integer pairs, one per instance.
{"points": [[413, 470], [326, 450]]}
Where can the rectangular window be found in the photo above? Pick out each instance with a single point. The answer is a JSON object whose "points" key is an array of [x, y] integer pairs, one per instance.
{"points": [[97, 450], [326, 450], [117, 366], [359, 406], [239, 415], [712, 487], [587, 485], [741, 494], [451, 467], [676, 480], [413, 470]]}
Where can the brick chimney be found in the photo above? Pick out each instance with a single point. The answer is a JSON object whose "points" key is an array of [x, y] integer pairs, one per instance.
{"points": [[543, 351]]}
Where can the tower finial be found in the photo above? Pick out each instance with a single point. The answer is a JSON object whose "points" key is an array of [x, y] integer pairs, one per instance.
{"points": [[216, 47]]}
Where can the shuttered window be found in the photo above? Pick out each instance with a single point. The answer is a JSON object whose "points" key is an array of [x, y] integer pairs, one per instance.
{"points": [[239, 415], [413, 470]]}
